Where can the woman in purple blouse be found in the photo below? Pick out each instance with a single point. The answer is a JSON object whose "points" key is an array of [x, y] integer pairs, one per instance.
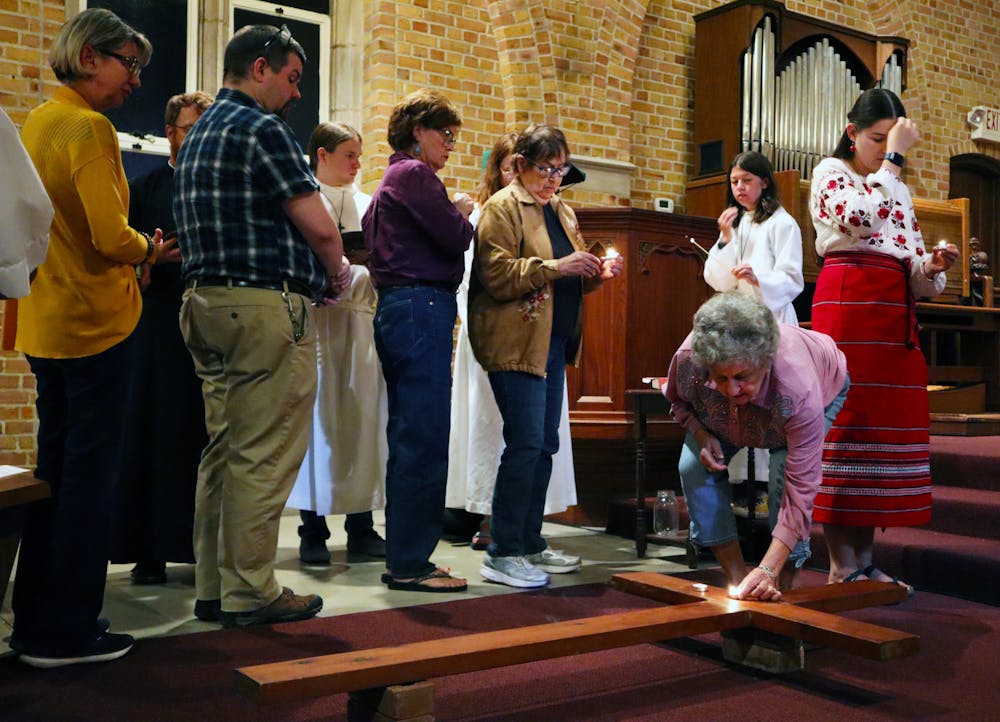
{"points": [[739, 379], [417, 239]]}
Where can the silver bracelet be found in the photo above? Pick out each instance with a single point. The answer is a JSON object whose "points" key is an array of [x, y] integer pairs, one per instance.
{"points": [[768, 571]]}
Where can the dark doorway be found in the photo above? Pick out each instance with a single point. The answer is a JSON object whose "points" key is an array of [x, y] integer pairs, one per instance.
{"points": [[977, 177]]}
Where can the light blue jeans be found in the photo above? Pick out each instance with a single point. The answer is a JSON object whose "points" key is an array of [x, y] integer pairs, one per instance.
{"points": [[709, 499]]}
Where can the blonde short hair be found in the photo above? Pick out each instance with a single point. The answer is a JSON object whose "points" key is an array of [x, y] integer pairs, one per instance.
{"points": [[102, 30]]}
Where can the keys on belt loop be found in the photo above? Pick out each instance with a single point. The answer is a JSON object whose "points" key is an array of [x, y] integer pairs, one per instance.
{"points": [[298, 324]]}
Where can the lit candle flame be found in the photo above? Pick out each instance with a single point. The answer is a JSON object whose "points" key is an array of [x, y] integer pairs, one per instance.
{"points": [[610, 254], [733, 590], [941, 245]]}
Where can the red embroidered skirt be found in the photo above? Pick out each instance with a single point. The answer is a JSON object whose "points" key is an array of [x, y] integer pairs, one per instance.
{"points": [[876, 458]]}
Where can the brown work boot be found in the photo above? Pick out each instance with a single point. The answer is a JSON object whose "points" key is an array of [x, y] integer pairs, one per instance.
{"points": [[289, 607]]}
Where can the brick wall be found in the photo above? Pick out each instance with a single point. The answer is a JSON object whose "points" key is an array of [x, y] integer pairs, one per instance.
{"points": [[616, 76]]}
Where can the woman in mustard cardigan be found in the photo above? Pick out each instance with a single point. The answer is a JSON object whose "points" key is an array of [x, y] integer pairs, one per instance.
{"points": [[525, 325], [74, 329]]}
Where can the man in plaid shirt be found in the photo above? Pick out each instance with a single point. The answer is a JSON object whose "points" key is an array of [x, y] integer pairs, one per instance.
{"points": [[259, 247]]}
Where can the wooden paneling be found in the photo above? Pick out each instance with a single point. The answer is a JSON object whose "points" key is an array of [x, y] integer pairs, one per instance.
{"points": [[633, 325]]}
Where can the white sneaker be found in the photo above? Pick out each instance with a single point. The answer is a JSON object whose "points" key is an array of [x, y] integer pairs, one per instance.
{"points": [[554, 561], [512, 571]]}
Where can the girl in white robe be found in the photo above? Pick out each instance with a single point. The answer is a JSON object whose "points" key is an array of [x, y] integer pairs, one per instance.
{"points": [[759, 252], [344, 468]]}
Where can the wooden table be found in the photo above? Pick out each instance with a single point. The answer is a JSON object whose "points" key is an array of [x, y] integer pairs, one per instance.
{"points": [[16, 491], [647, 402]]}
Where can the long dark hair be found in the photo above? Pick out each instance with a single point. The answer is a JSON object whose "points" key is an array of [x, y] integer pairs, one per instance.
{"points": [[871, 106], [757, 163]]}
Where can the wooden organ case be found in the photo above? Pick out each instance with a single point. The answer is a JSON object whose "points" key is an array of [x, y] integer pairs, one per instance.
{"points": [[781, 83]]}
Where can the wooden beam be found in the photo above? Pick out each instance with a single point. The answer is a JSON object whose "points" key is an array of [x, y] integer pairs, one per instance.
{"points": [[330, 674], [802, 613], [847, 635]]}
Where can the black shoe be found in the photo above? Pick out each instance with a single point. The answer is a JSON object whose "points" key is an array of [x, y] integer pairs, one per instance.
{"points": [[289, 607], [103, 625], [313, 551], [207, 610], [367, 542], [103, 648], [149, 572]]}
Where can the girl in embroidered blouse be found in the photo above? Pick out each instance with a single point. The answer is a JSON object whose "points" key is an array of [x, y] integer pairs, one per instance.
{"points": [[876, 461]]}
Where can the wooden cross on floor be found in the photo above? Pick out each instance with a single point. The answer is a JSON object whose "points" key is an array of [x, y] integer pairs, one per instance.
{"points": [[807, 614]]}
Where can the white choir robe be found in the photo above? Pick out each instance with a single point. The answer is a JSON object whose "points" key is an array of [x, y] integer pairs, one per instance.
{"points": [[476, 441], [344, 468]]}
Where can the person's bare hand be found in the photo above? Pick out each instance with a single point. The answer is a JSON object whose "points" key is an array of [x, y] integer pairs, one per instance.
{"points": [[757, 585], [941, 259], [579, 263], [711, 456], [902, 136], [726, 223], [164, 251], [335, 285], [464, 204], [611, 268], [744, 272]]}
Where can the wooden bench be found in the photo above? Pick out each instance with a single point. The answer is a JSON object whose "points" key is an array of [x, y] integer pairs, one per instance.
{"points": [[16, 491]]}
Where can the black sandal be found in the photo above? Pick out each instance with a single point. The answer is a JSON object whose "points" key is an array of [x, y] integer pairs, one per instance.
{"points": [[417, 583]]}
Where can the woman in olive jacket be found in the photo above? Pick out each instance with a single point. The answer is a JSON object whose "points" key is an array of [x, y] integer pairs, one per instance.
{"points": [[525, 324]]}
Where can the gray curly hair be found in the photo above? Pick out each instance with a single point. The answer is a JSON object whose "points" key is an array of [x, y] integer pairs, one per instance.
{"points": [[734, 326]]}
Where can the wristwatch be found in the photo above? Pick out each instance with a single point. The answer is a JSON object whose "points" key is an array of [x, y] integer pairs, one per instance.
{"points": [[895, 158]]}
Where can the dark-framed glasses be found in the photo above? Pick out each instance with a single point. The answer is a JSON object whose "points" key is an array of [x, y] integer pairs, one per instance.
{"points": [[185, 128], [284, 35], [130, 62], [449, 137], [551, 171]]}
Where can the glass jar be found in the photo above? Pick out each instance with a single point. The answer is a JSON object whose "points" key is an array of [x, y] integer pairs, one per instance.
{"points": [[665, 513]]}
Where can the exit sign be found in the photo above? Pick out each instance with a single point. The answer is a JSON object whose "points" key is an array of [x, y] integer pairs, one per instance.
{"points": [[989, 127]]}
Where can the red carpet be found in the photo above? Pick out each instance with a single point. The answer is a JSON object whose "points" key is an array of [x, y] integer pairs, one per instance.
{"points": [[189, 677]]}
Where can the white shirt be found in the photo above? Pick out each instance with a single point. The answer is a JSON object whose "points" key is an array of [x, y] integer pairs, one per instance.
{"points": [[774, 251], [347, 204], [26, 212]]}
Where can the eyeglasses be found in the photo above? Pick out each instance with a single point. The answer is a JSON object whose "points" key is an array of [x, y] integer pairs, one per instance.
{"points": [[185, 128], [284, 35], [130, 62], [550, 171], [449, 137]]}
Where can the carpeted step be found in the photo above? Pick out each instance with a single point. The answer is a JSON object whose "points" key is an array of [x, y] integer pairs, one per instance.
{"points": [[967, 512], [959, 565], [969, 461]]}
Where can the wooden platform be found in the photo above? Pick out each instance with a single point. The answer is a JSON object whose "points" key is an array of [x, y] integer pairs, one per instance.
{"points": [[984, 424]]}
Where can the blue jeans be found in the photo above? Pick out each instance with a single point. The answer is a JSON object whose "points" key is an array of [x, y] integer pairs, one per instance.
{"points": [[413, 336], [708, 496], [63, 562], [531, 407]]}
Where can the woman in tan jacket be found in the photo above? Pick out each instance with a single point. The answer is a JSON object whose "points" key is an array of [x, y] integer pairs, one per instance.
{"points": [[525, 322]]}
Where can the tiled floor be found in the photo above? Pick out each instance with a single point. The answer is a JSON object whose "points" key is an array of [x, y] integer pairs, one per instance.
{"points": [[151, 611]]}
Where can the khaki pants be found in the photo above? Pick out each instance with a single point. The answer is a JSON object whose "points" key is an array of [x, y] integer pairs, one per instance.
{"points": [[255, 352]]}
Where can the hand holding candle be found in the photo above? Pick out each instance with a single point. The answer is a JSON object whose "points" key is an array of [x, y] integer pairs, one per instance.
{"points": [[611, 264]]}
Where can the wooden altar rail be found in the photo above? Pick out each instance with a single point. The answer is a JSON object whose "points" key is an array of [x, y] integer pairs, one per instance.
{"points": [[805, 614]]}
